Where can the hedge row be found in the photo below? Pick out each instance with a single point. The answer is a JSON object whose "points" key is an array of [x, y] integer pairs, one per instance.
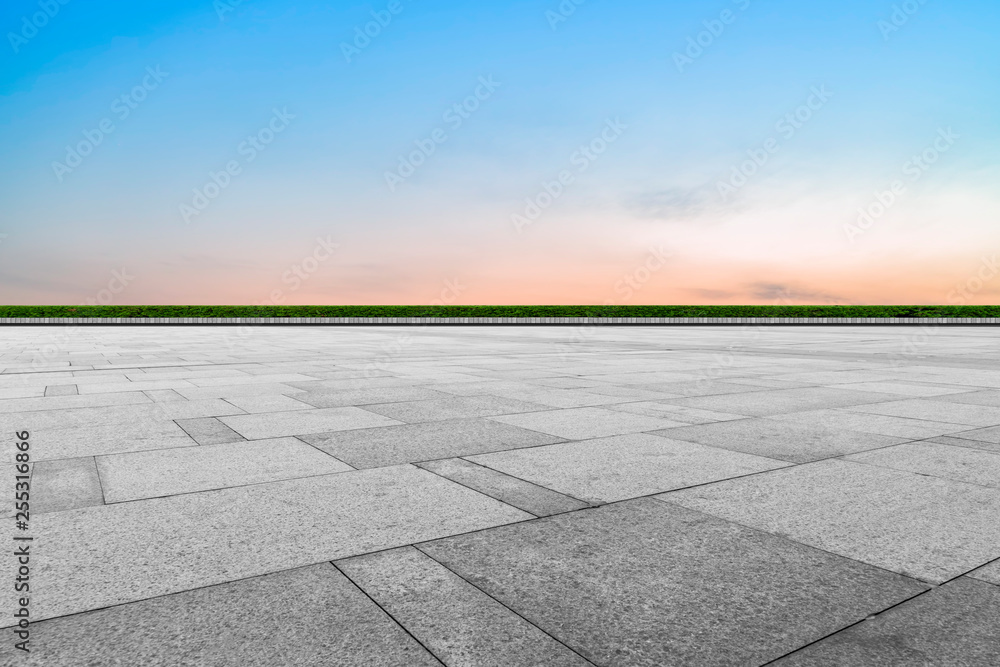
{"points": [[499, 311]]}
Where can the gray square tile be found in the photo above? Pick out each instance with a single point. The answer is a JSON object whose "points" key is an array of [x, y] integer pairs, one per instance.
{"points": [[675, 413], [66, 484], [647, 583], [167, 472], [778, 401], [308, 616], [455, 620], [780, 440], [955, 624], [942, 411], [989, 573], [112, 554], [209, 431], [278, 424], [963, 464], [408, 443], [516, 492], [625, 466], [267, 403], [333, 398], [581, 423], [929, 528], [457, 407], [897, 427]]}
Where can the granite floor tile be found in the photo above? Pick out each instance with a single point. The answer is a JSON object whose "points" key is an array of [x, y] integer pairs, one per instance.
{"points": [[903, 388], [112, 554], [65, 484], [98, 388], [96, 439], [67, 402], [646, 583], [954, 413], [778, 401], [208, 407], [956, 441], [516, 492], [459, 623], [267, 403], [332, 398], [675, 413], [302, 422], [168, 472], [580, 423], [627, 466], [954, 624], [457, 407], [990, 436], [925, 527], [989, 573], [311, 616], [780, 440], [989, 398], [847, 420], [964, 464], [209, 431], [61, 390], [408, 443], [164, 396]]}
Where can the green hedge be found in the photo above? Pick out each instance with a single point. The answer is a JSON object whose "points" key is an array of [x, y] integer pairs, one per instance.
{"points": [[499, 311]]}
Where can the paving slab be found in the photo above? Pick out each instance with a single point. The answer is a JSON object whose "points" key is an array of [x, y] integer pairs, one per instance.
{"points": [[956, 441], [61, 390], [964, 464], [167, 472], [898, 427], [459, 623], [989, 398], [308, 616], [675, 413], [779, 401], [780, 440], [954, 624], [903, 388], [66, 402], [209, 431], [96, 439], [989, 436], [924, 527], [581, 423], [989, 573], [942, 411], [523, 495], [409, 443], [112, 554], [453, 407], [66, 484], [267, 403], [207, 407], [626, 466], [334, 398], [317, 420], [164, 396], [647, 583]]}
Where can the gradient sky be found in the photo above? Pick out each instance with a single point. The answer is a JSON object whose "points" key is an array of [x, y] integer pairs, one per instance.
{"points": [[645, 221]]}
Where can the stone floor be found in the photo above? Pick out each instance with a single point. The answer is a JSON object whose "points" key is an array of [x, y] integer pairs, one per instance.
{"points": [[506, 496]]}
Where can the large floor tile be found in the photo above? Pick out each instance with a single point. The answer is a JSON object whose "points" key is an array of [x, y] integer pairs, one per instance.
{"points": [[625, 466], [459, 623], [99, 556], [312, 616], [942, 411], [110, 438], [334, 398], [925, 527], [955, 624], [321, 420], [647, 583], [779, 401], [408, 443], [897, 427], [581, 423], [989, 573], [66, 484], [453, 407], [780, 440], [167, 472], [675, 413], [964, 464]]}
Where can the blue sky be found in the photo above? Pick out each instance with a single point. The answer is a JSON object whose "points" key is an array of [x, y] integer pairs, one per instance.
{"points": [[225, 68]]}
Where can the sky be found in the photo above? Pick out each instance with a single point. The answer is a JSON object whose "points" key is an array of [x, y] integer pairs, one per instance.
{"points": [[518, 152]]}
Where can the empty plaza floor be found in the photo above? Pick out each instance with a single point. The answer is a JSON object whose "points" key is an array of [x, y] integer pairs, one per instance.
{"points": [[466, 496]]}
